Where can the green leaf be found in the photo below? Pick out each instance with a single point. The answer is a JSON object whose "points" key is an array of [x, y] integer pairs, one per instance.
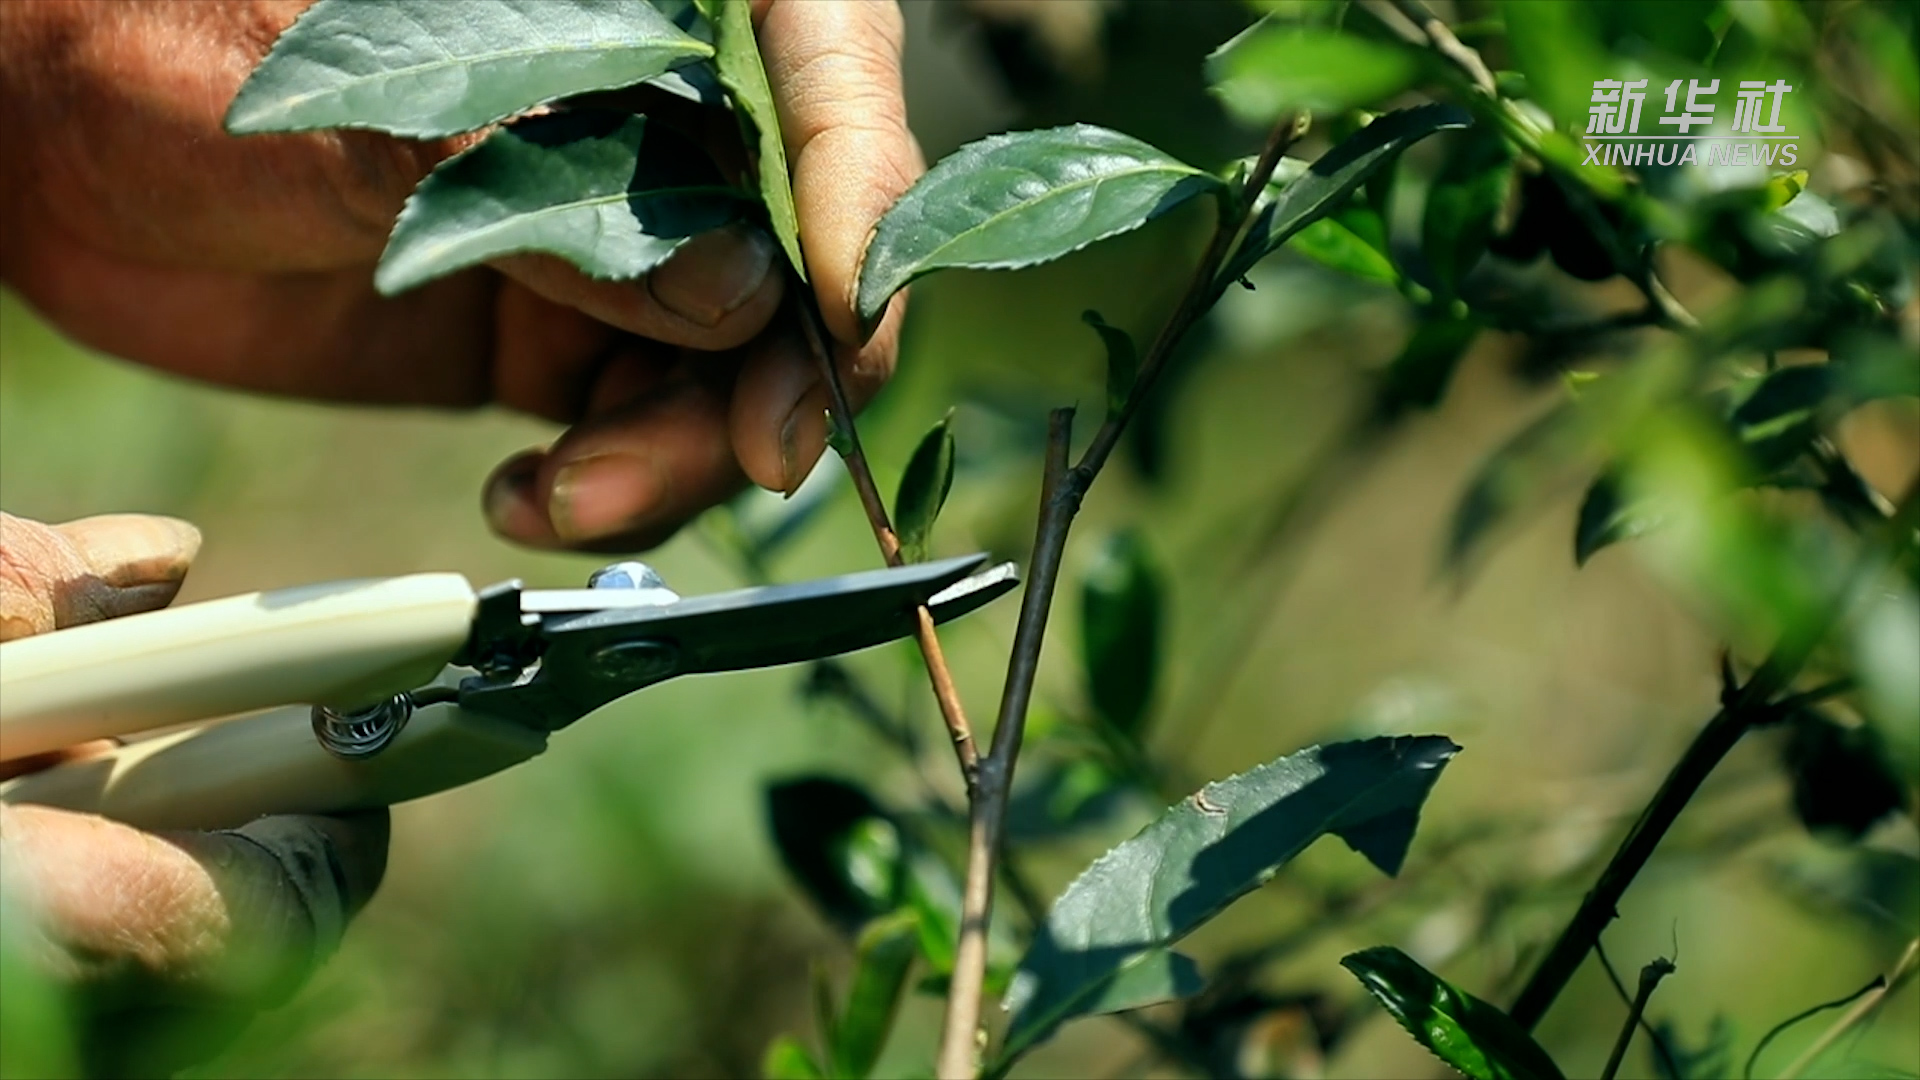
{"points": [[786, 1059], [1153, 977], [1475, 1038], [1120, 631], [1515, 475], [1123, 360], [923, 490], [746, 78], [698, 81], [1275, 67], [1292, 204], [841, 847], [1419, 375], [1462, 205], [605, 191], [427, 69], [884, 958], [1608, 517], [1212, 848], [1021, 199], [1337, 247]]}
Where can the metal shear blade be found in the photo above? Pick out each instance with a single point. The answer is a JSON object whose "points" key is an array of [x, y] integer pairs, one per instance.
{"points": [[591, 652]]}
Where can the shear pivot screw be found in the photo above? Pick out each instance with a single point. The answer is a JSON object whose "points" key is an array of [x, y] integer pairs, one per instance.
{"points": [[625, 575]]}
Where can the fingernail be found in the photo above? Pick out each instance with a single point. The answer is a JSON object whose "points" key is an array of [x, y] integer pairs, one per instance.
{"points": [[185, 539], [803, 438], [509, 491], [601, 496], [713, 274]]}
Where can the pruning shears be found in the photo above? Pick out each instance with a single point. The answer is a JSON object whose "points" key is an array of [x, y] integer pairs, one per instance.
{"points": [[356, 694]]}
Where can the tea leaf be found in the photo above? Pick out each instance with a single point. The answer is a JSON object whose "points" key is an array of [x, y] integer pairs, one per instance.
{"points": [[1123, 360], [1120, 631], [1208, 851], [427, 69], [884, 959], [1291, 204], [1021, 199], [923, 490], [746, 79], [1468, 1034], [602, 190], [1275, 67]]}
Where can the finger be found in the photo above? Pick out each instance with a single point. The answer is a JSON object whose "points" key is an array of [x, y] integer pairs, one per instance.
{"points": [[716, 292], [778, 421], [625, 479], [66, 755], [96, 568], [835, 74], [137, 920]]}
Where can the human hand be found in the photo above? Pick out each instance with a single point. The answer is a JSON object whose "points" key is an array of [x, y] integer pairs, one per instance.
{"points": [[133, 222], [169, 941]]}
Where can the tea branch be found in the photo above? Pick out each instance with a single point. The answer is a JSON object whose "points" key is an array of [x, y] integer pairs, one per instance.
{"points": [[1063, 490], [938, 674], [1743, 708]]}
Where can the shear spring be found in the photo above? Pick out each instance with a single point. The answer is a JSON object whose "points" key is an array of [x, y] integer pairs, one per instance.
{"points": [[363, 733]]}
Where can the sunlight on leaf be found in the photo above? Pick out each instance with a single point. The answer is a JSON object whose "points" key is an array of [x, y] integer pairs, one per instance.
{"points": [[1022, 199], [427, 68], [1274, 67], [1473, 1037]]}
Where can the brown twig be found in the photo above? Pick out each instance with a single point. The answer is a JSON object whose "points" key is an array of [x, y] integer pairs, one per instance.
{"points": [[1868, 1002], [1650, 977], [1063, 490], [938, 674]]}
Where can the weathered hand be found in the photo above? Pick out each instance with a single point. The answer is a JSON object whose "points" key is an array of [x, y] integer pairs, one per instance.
{"points": [[162, 937], [134, 223]]}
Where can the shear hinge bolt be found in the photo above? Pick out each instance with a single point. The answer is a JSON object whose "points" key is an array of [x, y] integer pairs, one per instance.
{"points": [[626, 575]]}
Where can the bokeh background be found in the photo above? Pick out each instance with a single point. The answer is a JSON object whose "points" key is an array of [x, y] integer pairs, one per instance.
{"points": [[617, 908]]}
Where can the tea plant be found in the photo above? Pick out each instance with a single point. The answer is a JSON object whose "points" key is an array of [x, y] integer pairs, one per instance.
{"points": [[1688, 442]]}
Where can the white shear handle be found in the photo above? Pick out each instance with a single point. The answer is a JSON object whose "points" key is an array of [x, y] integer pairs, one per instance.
{"points": [[343, 643], [223, 775]]}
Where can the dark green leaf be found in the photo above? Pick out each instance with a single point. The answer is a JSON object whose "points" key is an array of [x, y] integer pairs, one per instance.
{"points": [[1021, 199], [745, 77], [1298, 201], [427, 68], [883, 960], [1275, 67], [786, 1059], [1419, 376], [1462, 206], [1468, 1034], [1201, 855], [1608, 517], [1842, 778], [1056, 798], [841, 847], [1516, 475], [1123, 360], [1120, 631], [1710, 1060], [923, 490], [603, 190]]}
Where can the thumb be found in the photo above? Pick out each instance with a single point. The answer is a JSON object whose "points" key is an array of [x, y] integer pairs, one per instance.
{"points": [[55, 576]]}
